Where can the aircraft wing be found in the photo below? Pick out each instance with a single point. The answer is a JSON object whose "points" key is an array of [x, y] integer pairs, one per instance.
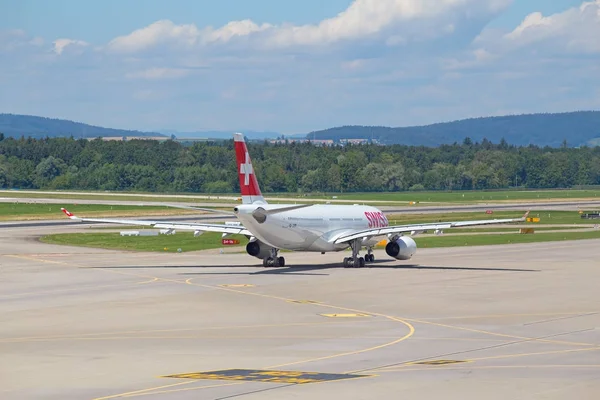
{"points": [[397, 229], [230, 229]]}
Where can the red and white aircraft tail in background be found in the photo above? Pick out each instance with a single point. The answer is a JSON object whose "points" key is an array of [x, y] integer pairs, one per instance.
{"points": [[307, 227]]}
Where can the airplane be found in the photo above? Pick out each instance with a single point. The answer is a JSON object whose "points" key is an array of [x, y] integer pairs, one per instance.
{"points": [[305, 227]]}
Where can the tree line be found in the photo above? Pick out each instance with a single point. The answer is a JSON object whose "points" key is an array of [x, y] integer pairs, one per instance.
{"points": [[210, 167]]}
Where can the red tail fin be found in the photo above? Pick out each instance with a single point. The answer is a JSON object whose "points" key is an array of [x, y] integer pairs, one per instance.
{"points": [[248, 183]]}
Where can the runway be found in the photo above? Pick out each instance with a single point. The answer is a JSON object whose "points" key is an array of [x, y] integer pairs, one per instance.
{"points": [[496, 322]]}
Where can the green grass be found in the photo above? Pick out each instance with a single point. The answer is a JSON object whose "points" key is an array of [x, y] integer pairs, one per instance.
{"points": [[187, 242], [546, 217], [393, 197], [462, 196], [482, 240], [163, 243], [122, 196], [23, 211], [457, 231]]}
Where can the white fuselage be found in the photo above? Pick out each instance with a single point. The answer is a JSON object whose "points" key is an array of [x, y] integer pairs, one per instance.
{"points": [[312, 228]]}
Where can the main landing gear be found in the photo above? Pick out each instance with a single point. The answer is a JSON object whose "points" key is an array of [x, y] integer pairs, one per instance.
{"points": [[355, 261], [273, 260]]}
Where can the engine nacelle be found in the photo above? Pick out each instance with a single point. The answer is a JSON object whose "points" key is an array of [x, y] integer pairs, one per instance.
{"points": [[258, 249], [402, 248]]}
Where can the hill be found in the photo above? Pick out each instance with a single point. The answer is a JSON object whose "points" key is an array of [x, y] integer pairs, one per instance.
{"points": [[14, 125], [578, 128]]}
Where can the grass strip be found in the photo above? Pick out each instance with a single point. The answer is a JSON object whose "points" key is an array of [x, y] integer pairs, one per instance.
{"points": [[187, 242], [510, 238], [162, 243]]}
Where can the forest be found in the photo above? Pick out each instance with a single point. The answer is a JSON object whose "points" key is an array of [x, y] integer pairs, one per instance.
{"points": [[209, 167]]}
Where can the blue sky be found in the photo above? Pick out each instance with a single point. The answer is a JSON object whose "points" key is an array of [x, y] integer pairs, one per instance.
{"points": [[89, 20], [296, 66], [100, 21]]}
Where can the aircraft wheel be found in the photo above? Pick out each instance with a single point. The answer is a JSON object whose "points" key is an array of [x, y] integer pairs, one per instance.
{"points": [[268, 262], [346, 262], [281, 262], [361, 262]]}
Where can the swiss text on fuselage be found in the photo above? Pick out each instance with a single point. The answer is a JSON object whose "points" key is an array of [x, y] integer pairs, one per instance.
{"points": [[376, 219]]}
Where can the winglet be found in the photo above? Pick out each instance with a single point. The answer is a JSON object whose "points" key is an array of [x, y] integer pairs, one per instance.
{"points": [[526, 215], [68, 213]]}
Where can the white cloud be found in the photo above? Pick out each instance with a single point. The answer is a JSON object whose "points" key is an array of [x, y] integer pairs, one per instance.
{"points": [[159, 73], [13, 39], [229, 94], [37, 41], [160, 32], [233, 29], [363, 19], [355, 64], [146, 95], [185, 36], [61, 44], [575, 30], [533, 20]]}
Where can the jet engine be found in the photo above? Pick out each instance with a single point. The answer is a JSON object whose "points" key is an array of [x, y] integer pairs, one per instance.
{"points": [[258, 249], [402, 248]]}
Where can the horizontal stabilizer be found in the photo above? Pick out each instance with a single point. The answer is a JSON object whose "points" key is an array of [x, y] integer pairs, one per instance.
{"points": [[284, 209], [260, 214], [211, 210]]}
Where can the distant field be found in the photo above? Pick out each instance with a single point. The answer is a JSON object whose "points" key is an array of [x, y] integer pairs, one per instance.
{"points": [[392, 198], [24, 211], [465, 196], [546, 217], [505, 229], [122, 196]]}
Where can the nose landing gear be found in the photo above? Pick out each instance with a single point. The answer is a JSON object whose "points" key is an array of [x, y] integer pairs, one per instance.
{"points": [[370, 257]]}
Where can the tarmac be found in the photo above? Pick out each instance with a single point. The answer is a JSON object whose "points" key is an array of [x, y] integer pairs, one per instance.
{"points": [[491, 322]]}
